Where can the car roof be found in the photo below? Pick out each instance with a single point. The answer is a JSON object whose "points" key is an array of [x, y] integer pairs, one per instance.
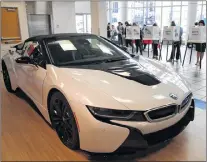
{"points": [[62, 35]]}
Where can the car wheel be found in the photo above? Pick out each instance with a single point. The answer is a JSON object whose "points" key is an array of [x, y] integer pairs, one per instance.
{"points": [[63, 120], [6, 78]]}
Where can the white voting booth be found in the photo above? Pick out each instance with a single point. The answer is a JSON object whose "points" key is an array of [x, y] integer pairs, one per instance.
{"points": [[171, 33], [152, 33], [132, 32], [197, 34]]}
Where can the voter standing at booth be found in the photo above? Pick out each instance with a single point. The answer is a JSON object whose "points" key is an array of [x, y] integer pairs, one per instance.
{"points": [[155, 44], [138, 42], [176, 45], [200, 48], [128, 41]]}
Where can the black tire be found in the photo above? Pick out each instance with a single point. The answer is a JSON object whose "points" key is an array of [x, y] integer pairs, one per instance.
{"points": [[6, 78], [63, 120]]}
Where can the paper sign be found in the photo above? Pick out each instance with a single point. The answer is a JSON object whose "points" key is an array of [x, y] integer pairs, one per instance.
{"points": [[171, 33], [197, 34], [132, 32], [152, 33], [128, 32]]}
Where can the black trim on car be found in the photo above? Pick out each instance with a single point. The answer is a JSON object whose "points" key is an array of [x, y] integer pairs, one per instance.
{"points": [[136, 140], [131, 144]]}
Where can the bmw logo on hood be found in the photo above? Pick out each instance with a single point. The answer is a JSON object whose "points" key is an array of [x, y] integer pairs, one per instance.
{"points": [[173, 96]]}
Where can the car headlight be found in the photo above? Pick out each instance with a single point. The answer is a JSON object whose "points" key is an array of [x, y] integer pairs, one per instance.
{"points": [[111, 114]]}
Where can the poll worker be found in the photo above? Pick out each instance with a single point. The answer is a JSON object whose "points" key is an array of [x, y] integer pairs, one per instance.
{"points": [[176, 45], [200, 47]]}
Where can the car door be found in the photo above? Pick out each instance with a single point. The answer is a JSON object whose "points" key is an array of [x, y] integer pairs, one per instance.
{"points": [[38, 75], [23, 71]]}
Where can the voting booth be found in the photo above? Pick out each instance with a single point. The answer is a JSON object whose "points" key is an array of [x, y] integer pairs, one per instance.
{"points": [[171, 33], [132, 32], [152, 33], [197, 34]]}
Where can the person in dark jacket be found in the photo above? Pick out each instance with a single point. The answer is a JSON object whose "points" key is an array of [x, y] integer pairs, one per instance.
{"points": [[128, 41], [176, 45], [109, 31], [200, 47], [155, 46], [120, 30], [138, 41]]}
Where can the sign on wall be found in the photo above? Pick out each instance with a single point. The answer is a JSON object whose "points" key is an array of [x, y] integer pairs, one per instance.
{"points": [[133, 32], [171, 33], [197, 34], [152, 33]]}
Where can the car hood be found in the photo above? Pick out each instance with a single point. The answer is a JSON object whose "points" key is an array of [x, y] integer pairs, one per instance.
{"points": [[138, 85]]}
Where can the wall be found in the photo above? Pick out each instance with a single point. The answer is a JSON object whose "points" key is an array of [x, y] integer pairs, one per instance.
{"points": [[63, 14], [82, 7], [22, 16]]}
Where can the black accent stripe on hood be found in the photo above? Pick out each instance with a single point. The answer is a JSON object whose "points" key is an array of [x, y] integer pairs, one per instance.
{"points": [[127, 69]]}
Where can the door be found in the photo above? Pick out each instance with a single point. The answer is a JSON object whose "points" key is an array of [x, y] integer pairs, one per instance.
{"points": [[83, 23], [39, 24], [10, 29], [23, 71], [31, 77]]}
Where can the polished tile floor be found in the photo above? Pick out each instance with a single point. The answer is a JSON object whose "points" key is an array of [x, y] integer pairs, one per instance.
{"points": [[27, 137], [192, 73]]}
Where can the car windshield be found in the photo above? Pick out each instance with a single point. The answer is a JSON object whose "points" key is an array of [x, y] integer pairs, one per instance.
{"points": [[79, 50]]}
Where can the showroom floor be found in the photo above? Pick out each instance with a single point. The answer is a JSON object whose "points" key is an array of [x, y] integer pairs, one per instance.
{"points": [[26, 136]]}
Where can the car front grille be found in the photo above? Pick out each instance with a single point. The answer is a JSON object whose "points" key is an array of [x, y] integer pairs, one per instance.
{"points": [[161, 113]]}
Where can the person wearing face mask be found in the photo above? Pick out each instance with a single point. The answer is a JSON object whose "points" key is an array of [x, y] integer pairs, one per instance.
{"points": [[176, 45], [200, 48]]}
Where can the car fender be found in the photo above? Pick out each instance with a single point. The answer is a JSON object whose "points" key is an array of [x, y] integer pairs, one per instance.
{"points": [[75, 91]]}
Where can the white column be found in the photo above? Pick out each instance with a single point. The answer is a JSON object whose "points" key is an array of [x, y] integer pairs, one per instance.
{"points": [[99, 18], [123, 8], [192, 11], [63, 14]]}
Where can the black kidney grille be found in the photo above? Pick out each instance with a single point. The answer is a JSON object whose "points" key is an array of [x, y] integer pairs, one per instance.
{"points": [[186, 101], [162, 112]]}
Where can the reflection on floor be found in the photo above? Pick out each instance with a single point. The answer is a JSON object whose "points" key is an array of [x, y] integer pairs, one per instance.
{"points": [[26, 136]]}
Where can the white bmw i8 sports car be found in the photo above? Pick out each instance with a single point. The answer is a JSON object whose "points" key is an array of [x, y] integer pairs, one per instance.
{"points": [[96, 96]]}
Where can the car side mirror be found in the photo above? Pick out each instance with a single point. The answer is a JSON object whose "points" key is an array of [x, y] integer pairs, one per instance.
{"points": [[23, 60], [26, 60]]}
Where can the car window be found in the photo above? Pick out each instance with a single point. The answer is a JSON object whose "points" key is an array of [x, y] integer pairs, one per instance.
{"points": [[34, 51], [82, 49], [26, 45]]}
